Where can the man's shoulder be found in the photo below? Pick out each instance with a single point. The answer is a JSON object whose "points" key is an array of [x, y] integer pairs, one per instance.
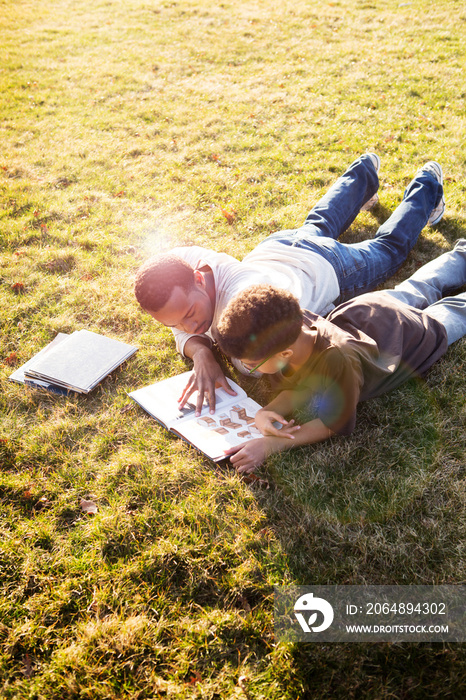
{"points": [[198, 256], [191, 252]]}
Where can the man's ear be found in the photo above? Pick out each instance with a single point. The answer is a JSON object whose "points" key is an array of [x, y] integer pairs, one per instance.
{"points": [[199, 279], [286, 354]]}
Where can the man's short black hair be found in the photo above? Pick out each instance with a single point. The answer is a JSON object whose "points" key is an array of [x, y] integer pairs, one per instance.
{"points": [[157, 278]]}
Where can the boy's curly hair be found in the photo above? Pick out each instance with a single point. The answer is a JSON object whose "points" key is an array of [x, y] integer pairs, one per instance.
{"points": [[258, 322], [156, 279]]}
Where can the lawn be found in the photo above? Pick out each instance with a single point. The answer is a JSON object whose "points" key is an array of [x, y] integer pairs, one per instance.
{"points": [[127, 128]]}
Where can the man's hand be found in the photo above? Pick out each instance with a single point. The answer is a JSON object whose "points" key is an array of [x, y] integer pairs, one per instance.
{"points": [[265, 419], [206, 375], [249, 455]]}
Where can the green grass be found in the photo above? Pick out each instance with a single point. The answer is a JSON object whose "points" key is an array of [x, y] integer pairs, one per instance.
{"points": [[127, 128]]}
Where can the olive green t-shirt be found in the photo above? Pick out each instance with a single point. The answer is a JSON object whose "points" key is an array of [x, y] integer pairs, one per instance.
{"points": [[365, 347]]}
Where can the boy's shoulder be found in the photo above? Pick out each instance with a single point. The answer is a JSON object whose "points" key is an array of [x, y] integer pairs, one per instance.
{"points": [[378, 302], [327, 334], [334, 347]]}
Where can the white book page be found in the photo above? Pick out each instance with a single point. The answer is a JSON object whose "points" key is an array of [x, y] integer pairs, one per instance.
{"points": [[230, 425], [161, 400]]}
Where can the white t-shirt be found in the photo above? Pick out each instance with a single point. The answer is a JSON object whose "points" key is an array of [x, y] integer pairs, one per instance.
{"points": [[305, 274]]}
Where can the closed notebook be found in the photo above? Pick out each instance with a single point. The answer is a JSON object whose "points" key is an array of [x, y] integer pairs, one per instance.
{"points": [[80, 361], [20, 374]]}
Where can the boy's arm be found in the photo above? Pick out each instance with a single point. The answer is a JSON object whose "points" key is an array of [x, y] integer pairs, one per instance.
{"points": [[282, 405], [274, 412], [248, 455], [339, 394], [206, 375]]}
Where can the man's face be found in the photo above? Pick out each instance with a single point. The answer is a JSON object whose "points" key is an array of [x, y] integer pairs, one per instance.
{"points": [[191, 312]]}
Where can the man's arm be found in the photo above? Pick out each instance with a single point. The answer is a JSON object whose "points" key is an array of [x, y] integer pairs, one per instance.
{"points": [[206, 375]]}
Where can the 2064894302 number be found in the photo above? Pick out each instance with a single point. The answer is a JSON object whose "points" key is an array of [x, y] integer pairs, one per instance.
{"points": [[406, 608]]}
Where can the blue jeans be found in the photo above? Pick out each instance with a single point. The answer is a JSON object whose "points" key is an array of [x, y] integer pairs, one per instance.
{"points": [[361, 267], [425, 288]]}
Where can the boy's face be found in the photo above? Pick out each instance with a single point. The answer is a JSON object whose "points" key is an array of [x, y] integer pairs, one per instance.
{"points": [[189, 311], [269, 365]]}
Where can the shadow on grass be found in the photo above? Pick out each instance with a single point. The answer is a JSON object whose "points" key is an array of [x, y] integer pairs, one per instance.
{"points": [[374, 473], [414, 671], [382, 506]]}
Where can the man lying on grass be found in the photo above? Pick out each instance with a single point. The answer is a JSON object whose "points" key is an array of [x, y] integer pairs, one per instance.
{"points": [[363, 348]]}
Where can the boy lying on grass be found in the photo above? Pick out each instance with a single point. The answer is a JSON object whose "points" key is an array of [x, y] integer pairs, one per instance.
{"points": [[363, 348]]}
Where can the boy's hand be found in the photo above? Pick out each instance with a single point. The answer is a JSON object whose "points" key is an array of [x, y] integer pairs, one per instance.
{"points": [[207, 374], [265, 419], [249, 455]]}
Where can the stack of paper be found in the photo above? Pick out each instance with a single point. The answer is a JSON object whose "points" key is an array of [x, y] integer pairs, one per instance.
{"points": [[76, 362]]}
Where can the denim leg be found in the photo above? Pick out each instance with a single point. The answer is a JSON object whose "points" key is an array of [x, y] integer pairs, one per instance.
{"points": [[337, 209], [451, 312], [360, 267], [428, 284]]}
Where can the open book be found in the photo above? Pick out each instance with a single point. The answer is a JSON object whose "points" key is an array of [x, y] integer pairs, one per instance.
{"points": [[230, 425]]}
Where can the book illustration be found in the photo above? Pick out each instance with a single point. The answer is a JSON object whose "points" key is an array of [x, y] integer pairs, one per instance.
{"points": [[211, 424], [230, 425], [226, 422], [239, 413], [187, 410], [249, 433], [237, 420], [207, 422], [245, 434]]}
